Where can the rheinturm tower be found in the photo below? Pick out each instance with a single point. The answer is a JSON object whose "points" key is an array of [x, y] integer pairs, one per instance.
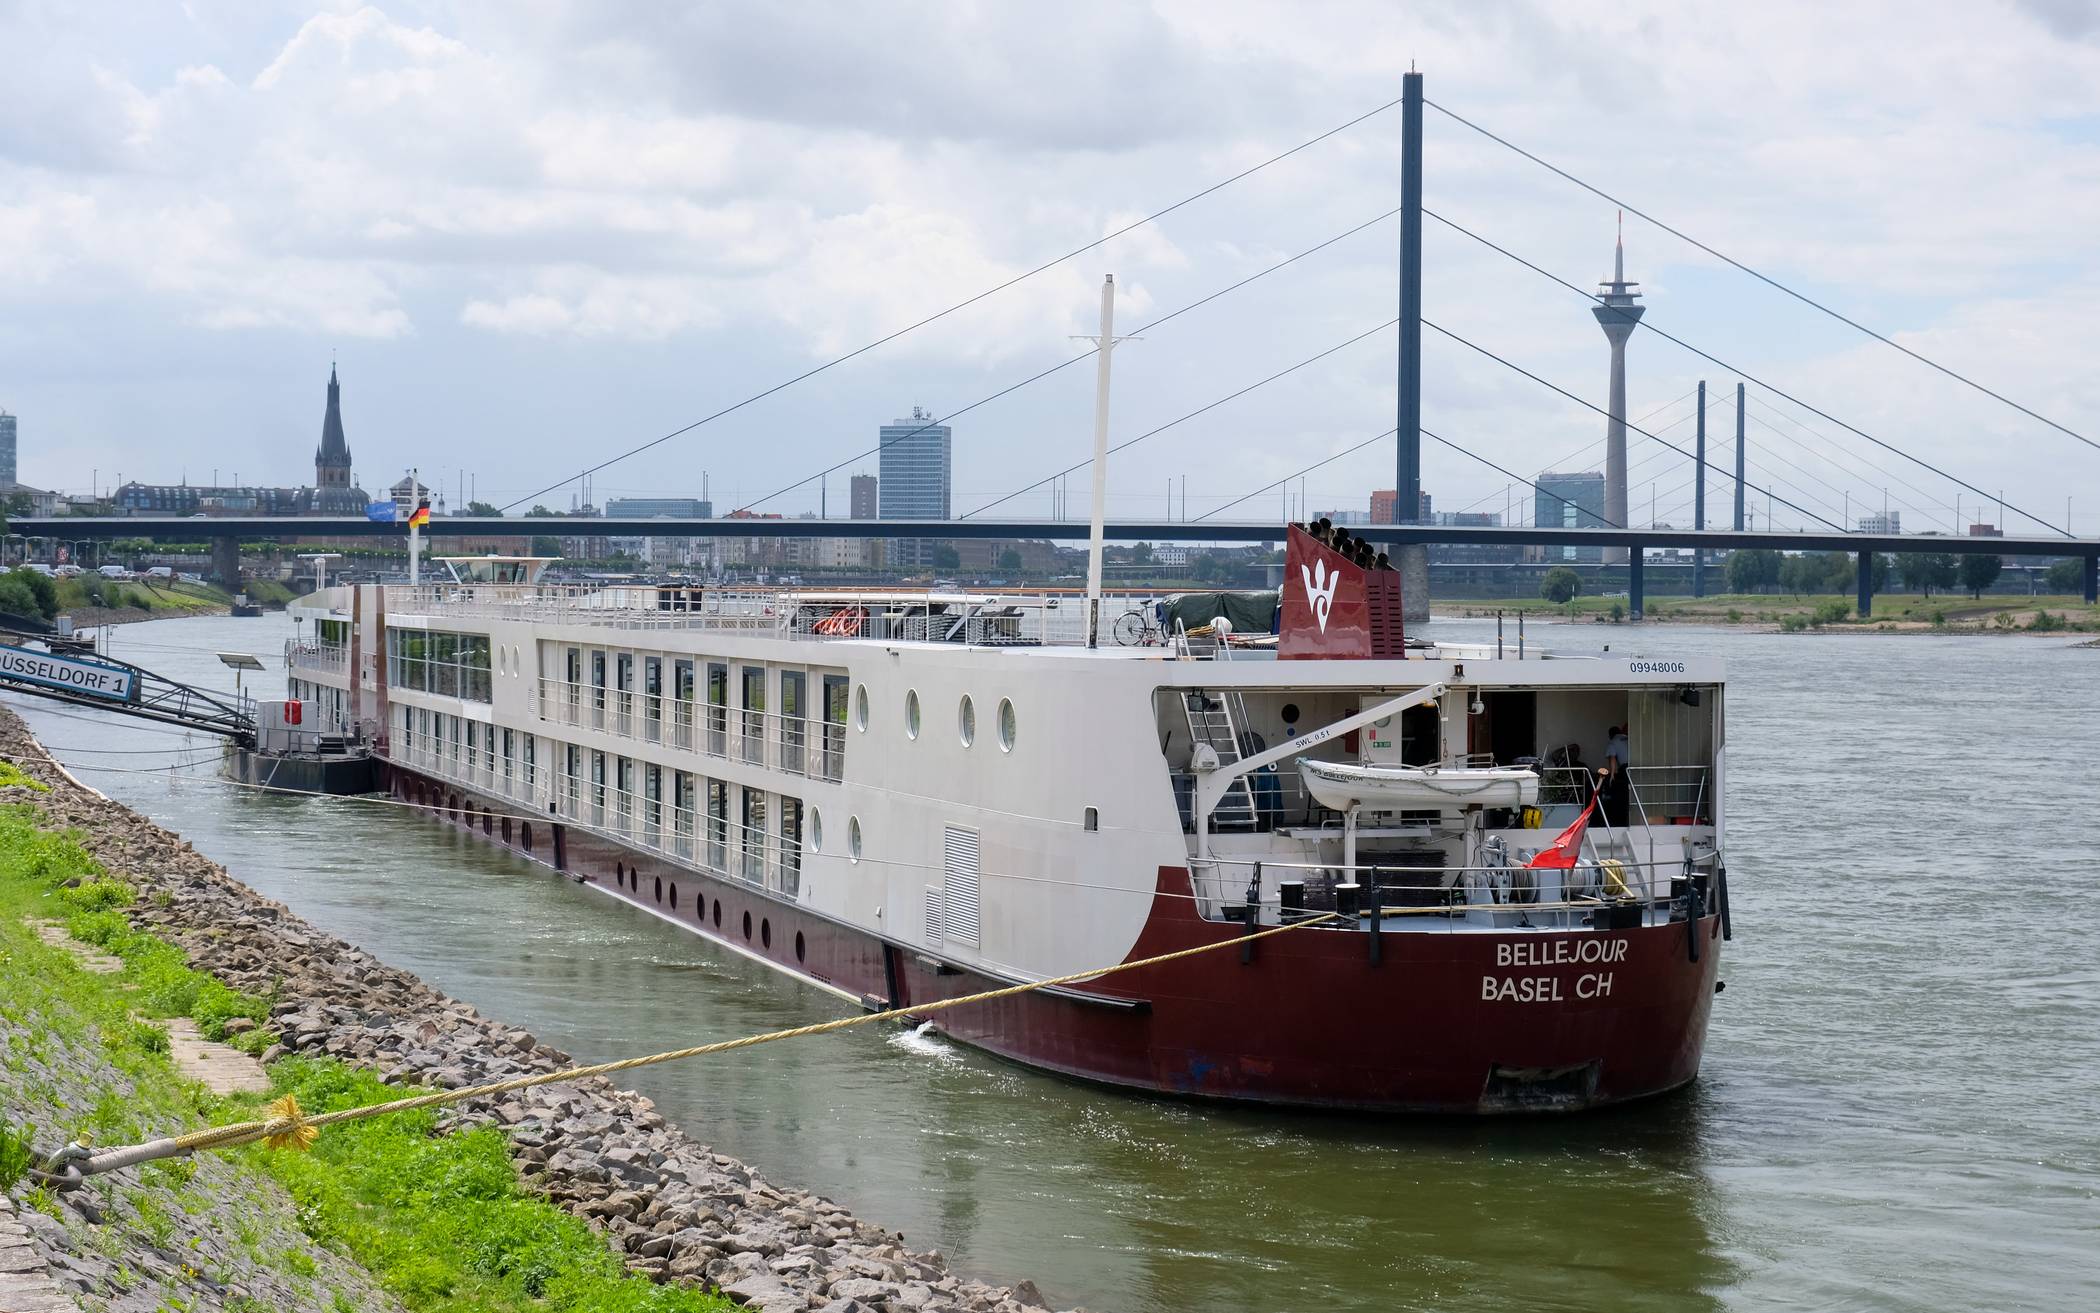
{"points": [[1616, 314], [333, 493]]}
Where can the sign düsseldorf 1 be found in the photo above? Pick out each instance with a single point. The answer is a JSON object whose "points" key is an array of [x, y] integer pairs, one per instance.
{"points": [[90, 677]]}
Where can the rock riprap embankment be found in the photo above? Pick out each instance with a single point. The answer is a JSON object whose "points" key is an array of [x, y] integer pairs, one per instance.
{"points": [[675, 1207]]}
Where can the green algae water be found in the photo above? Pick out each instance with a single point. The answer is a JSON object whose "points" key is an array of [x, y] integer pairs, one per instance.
{"points": [[1900, 1106]]}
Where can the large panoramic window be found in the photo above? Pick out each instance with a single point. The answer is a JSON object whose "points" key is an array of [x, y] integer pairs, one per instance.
{"points": [[433, 661]]}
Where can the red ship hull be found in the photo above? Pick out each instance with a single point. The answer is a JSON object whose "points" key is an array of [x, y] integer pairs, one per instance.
{"points": [[1461, 1022]]}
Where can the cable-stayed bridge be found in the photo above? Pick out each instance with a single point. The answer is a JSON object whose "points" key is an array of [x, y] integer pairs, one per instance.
{"points": [[1814, 467], [1638, 541]]}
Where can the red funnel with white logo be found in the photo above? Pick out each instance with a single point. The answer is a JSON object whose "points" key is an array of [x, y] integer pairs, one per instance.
{"points": [[1334, 608]]}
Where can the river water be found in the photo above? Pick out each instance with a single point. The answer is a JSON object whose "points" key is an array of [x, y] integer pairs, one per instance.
{"points": [[1900, 1107]]}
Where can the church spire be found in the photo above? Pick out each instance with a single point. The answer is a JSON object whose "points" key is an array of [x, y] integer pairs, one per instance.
{"points": [[332, 460]]}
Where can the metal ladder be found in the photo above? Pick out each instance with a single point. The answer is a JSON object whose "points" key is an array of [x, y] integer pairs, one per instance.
{"points": [[1211, 724]]}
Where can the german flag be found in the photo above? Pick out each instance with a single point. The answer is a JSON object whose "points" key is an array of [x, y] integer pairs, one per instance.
{"points": [[421, 515]]}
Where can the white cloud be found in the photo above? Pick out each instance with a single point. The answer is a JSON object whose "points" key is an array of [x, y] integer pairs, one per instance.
{"points": [[656, 211]]}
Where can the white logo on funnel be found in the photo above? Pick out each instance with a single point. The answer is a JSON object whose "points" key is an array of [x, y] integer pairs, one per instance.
{"points": [[1319, 589]]}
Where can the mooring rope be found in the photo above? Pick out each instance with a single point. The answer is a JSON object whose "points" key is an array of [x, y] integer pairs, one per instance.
{"points": [[289, 1128]]}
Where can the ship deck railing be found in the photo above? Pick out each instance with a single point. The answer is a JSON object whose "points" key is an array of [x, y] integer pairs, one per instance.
{"points": [[764, 851], [1449, 898], [316, 658], [1038, 619], [792, 743]]}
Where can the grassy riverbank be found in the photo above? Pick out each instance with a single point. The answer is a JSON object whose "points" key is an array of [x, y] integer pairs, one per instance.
{"points": [[1893, 612], [438, 1220]]}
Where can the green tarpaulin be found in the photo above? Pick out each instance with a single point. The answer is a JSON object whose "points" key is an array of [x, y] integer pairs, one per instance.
{"points": [[1250, 613]]}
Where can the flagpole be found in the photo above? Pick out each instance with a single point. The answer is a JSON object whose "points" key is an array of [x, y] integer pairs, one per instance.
{"points": [[415, 539]]}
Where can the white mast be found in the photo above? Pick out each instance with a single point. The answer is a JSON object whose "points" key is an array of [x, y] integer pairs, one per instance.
{"points": [[1106, 344]]}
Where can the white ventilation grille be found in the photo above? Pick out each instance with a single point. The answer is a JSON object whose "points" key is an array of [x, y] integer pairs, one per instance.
{"points": [[961, 909]]}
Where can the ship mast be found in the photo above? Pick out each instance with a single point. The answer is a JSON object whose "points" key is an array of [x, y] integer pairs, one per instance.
{"points": [[1106, 344]]}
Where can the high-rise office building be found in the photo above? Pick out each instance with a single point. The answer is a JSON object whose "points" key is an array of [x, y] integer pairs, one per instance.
{"points": [[1881, 522], [7, 450], [915, 482], [1573, 501], [865, 506]]}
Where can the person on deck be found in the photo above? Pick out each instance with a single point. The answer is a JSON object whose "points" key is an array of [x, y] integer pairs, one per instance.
{"points": [[1616, 748], [1612, 792]]}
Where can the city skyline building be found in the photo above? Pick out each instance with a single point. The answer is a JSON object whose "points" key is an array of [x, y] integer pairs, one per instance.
{"points": [[863, 497], [1570, 500], [334, 493], [653, 508], [915, 481], [1616, 315], [8, 435], [1385, 507], [1881, 522]]}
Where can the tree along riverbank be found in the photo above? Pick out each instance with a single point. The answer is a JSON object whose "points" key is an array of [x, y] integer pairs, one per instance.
{"points": [[567, 1196]]}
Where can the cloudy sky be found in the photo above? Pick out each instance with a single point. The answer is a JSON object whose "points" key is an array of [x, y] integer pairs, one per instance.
{"points": [[535, 235]]}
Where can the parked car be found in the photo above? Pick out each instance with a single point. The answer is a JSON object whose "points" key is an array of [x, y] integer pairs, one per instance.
{"points": [[66, 571], [160, 572], [114, 572], [39, 567], [189, 578]]}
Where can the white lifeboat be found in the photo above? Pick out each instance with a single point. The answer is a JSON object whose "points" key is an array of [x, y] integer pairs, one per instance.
{"points": [[1342, 787]]}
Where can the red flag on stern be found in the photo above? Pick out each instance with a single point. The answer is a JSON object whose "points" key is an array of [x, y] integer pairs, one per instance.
{"points": [[1562, 852]]}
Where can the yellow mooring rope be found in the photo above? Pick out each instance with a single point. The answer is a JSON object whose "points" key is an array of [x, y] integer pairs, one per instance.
{"points": [[288, 1128]]}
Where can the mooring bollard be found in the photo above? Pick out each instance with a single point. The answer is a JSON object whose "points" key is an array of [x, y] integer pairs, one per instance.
{"points": [[1346, 899]]}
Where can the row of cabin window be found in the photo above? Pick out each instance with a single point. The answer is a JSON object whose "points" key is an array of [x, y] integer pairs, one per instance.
{"points": [[703, 798], [471, 743], [434, 661], [594, 671]]}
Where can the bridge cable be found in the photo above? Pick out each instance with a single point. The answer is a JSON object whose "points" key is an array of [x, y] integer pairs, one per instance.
{"points": [[1766, 279], [1743, 373], [964, 304], [1297, 474], [1233, 396], [1512, 365], [879, 447], [1585, 447]]}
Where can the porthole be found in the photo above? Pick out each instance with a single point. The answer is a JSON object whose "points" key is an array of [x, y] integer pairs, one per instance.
{"points": [[853, 838], [659, 888], [718, 914], [506, 829], [620, 874], [911, 714], [525, 837], [966, 721], [816, 830], [765, 932], [747, 927], [860, 708], [1007, 724], [674, 895], [798, 946]]}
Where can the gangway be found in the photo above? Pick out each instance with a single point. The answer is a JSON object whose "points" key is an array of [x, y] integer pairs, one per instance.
{"points": [[109, 684]]}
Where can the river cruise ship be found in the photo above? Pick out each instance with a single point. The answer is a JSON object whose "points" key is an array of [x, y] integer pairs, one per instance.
{"points": [[908, 796]]}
